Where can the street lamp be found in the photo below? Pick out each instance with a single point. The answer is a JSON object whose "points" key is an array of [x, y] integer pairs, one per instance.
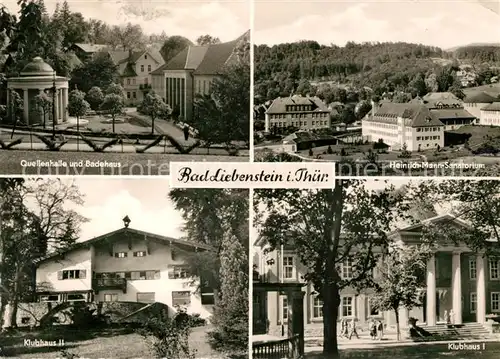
{"points": [[126, 221]]}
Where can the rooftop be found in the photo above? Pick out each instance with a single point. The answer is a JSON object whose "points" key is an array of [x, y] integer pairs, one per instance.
{"points": [[279, 104], [37, 67], [480, 97], [419, 115], [495, 106]]}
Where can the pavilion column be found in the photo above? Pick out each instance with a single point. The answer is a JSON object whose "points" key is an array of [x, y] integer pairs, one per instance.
{"points": [[26, 106], [56, 107], [61, 108], [480, 289], [431, 291], [296, 320], [456, 282], [8, 102]]}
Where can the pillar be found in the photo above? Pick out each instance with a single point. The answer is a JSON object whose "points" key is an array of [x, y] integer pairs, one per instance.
{"points": [[26, 106], [65, 104], [456, 285], [431, 291], [296, 320], [8, 102], [59, 103], [56, 106], [480, 290], [179, 93]]}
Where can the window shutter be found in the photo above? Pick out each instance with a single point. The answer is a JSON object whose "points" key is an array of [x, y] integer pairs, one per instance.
{"points": [[83, 274], [60, 275]]}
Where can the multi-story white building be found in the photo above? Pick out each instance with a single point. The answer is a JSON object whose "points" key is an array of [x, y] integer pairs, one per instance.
{"points": [[126, 265], [399, 124], [490, 114], [304, 113], [475, 102]]}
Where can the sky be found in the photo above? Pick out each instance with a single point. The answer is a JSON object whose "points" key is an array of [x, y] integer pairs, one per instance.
{"points": [[442, 23], [145, 201], [226, 20]]}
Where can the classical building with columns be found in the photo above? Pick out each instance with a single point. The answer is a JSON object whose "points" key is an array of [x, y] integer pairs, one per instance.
{"points": [[35, 78], [457, 278]]}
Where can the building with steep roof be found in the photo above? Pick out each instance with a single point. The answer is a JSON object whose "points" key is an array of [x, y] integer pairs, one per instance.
{"points": [[125, 265], [400, 124], [304, 113], [191, 72], [86, 51], [475, 102]]}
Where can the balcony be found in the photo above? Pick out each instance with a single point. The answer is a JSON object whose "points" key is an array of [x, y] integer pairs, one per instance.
{"points": [[109, 283]]}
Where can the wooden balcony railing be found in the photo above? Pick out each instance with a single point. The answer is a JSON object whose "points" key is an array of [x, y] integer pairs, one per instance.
{"points": [[109, 283], [287, 348]]}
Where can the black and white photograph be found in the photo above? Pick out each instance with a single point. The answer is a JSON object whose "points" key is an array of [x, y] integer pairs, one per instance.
{"points": [[122, 87], [377, 269], [382, 87], [121, 268]]}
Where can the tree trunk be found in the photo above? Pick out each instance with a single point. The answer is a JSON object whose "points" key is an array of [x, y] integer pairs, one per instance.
{"points": [[331, 290], [152, 125], [398, 329], [113, 123]]}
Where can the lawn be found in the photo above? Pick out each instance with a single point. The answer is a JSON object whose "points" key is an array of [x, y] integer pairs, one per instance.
{"points": [[426, 351], [110, 343]]}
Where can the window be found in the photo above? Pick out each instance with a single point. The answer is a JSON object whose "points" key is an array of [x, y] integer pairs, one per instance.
{"points": [[347, 309], [111, 297], [134, 95], [284, 308], [121, 254], [145, 57], [138, 275], [495, 301], [473, 302], [178, 272], [181, 298], [72, 274], [142, 68], [152, 274], [140, 254], [49, 298], [346, 270], [128, 94], [472, 268], [133, 81], [317, 308], [77, 298], [128, 81], [493, 268], [146, 297], [288, 269], [149, 68]]}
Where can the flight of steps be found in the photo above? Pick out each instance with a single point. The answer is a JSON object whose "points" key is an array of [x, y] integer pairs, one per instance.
{"points": [[467, 331]]}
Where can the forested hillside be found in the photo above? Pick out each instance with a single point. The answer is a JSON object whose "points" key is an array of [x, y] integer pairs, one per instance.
{"points": [[413, 69]]}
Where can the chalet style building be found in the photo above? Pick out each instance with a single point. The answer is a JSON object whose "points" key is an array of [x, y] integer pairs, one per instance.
{"points": [[400, 124], [304, 113], [126, 265], [191, 72], [457, 279]]}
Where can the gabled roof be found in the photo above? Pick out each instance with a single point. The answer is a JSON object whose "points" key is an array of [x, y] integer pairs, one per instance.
{"points": [[419, 115], [480, 97], [452, 113], [124, 231], [91, 47], [279, 104], [129, 71], [495, 106], [204, 60]]}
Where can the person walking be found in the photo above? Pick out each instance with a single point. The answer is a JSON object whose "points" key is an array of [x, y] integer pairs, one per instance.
{"points": [[343, 328], [373, 329], [352, 329], [380, 330]]}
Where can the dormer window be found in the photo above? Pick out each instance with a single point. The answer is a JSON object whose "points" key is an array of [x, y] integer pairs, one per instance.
{"points": [[145, 57]]}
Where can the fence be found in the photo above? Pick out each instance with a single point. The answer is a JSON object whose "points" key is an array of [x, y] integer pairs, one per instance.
{"points": [[282, 349]]}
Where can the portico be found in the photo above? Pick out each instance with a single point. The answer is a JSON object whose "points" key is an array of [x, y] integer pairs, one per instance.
{"points": [[38, 77]]}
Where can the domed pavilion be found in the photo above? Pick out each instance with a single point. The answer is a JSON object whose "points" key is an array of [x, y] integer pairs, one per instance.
{"points": [[35, 78]]}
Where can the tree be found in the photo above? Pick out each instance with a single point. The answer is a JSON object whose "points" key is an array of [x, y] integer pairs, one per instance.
{"points": [[456, 88], [226, 108], [35, 221], [400, 277], [207, 40], [100, 71], [326, 227], [154, 106], [362, 109], [77, 105], [115, 89], [43, 103], [219, 218], [95, 97], [128, 37], [113, 104], [417, 86], [172, 46], [72, 27]]}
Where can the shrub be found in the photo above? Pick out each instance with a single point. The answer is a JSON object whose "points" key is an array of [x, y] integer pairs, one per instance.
{"points": [[329, 150]]}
